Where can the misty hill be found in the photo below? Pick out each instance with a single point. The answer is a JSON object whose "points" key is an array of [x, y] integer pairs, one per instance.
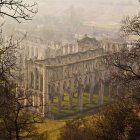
{"points": [[63, 19]]}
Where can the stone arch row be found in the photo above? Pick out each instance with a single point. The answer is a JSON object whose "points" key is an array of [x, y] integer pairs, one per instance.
{"points": [[72, 85], [72, 70], [75, 85]]}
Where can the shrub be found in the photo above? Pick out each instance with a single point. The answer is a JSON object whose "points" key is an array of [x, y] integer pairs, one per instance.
{"points": [[115, 122]]}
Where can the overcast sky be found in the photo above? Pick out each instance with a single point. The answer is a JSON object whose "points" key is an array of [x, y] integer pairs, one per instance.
{"points": [[96, 1], [101, 8], [97, 12], [50, 5]]}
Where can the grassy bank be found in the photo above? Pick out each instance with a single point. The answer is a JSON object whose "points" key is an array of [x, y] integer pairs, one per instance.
{"points": [[51, 128]]}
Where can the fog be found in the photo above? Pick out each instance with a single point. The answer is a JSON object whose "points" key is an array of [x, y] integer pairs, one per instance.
{"points": [[64, 19]]}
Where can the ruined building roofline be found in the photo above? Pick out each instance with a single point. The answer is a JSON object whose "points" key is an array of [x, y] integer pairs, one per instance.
{"points": [[62, 65], [72, 54], [111, 41], [94, 39], [86, 38], [80, 61]]}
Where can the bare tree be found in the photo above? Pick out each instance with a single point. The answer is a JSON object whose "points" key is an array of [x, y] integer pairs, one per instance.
{"points": [[125, 65], [17, 9], [16, 121], [131, 26]]}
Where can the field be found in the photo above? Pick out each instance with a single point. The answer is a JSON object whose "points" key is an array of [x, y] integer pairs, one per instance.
{"points": [[88, 109], [67, 113], [51, 128]]}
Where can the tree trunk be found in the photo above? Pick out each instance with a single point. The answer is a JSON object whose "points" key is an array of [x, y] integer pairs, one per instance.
{"points": [[17, 133]]}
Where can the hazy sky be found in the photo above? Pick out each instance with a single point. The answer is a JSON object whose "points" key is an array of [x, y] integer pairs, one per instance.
{"points": [[96, 1], [97, 13], [109, 11], [48, 6]]}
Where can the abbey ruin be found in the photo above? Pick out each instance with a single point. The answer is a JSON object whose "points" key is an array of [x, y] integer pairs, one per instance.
{"points": [[58, 68]]}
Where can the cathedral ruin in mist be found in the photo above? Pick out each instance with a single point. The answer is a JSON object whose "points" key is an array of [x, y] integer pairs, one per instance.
{"points": [[52, 69]]}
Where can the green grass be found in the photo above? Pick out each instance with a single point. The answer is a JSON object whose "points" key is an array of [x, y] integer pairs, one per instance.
{"points": [[67, 113], [49, 130]]}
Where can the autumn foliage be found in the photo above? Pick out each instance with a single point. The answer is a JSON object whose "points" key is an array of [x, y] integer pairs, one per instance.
{"points": [[115, 122]]}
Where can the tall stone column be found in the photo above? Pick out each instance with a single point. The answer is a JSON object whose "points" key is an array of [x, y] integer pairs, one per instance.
{"points": [[70, 100], [80, 95], [32, 52], [35, 100], [39, 82], [29, 75], [35, 80], [61, 95], [26, 81], [58, 91], [101, 93], [39, 104], [80, 99], [59, 102], [36, 52], [91, 90], [46, 102]]}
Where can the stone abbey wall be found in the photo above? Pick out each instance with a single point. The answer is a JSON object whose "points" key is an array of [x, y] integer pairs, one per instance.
{"points": [[70, 72]]}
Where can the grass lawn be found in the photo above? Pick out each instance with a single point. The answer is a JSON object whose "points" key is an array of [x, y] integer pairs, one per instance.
{"points": [[51, 128], [67, 113]]}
